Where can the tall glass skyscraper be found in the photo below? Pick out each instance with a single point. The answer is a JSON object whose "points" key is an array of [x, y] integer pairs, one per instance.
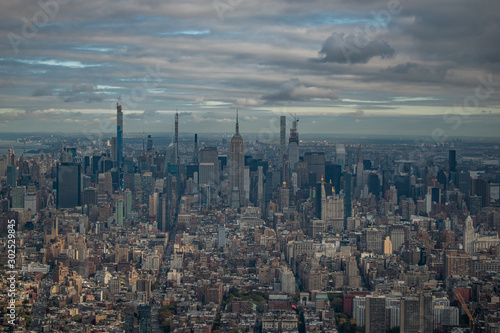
{"points": [[119, 142], [68, 185]]}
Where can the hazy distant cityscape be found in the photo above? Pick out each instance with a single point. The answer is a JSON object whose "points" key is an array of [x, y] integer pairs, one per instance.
{"points": [[250, 233]]}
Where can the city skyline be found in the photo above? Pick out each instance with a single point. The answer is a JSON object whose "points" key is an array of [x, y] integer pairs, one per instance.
{"points": [[349, 68]]}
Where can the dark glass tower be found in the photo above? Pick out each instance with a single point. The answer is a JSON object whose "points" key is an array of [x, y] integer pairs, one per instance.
{"points": [[452, 161], [119, 143], [347, 195], [68, 185]]}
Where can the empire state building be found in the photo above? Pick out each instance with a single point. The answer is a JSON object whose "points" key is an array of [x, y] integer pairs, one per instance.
{"points": [[236, 169]]}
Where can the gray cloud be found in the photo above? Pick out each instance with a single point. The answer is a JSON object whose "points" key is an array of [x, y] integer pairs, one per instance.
{"points": [[246, 58], [82, 92], [353, 48], [294, 90], [141, 115], [42, 92]]}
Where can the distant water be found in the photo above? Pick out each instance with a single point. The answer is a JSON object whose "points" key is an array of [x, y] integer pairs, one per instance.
{"points": [[18, 147]]}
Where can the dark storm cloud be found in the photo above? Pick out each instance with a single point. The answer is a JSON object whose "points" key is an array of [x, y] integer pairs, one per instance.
{"points": [[353, 48]]}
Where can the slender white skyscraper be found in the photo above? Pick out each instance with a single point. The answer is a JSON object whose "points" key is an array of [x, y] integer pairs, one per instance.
{"points": [[469, 235]]}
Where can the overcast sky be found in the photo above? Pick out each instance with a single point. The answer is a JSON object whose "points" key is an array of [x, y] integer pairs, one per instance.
{"points": [[353, 66]]}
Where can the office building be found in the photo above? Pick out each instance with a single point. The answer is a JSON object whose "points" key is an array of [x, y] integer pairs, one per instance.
{"points": [[281, 162], [416, 314], [293, 145], [452, 161], [347, 195], [340, 155], [209, 155], [469, 236], [144, 318], [375, 314], [315, 165], [17, 194], [68, 185], [207, 174], [387, 245], [221, 233], [359, 175]]}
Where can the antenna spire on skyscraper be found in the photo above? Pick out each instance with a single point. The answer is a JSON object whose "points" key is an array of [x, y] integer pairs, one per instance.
{"points": [[237, 124]]}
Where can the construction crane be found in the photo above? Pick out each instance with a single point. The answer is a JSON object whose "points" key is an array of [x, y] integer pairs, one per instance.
{"points": [[472, 319]]}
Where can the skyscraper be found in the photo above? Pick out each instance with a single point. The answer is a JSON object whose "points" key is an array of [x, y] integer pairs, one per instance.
{"points": [[119, 136], [119, 211], [150, 143], [177, 139], [260, 187], [114, 149], [416, 314], [206, 174], [375, 314], [293, 145], [340, 156], [127, 200], [359, 174], [452, 161], [315, 165], [387, 245], [284, 197], [209, 155], [144, 318], [469, 235], [11, 175], [221, 233], [195, 150], [347, 195], [236, 168], [68, 185], [282, 146], [17, 194], [481, 187]]}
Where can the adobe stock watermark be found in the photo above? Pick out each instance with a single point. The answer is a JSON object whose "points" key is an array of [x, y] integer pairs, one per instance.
{"points": [[362, 37], [267, 133], [455, 116], [130, 101], [31, 26], [224, 6]]}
